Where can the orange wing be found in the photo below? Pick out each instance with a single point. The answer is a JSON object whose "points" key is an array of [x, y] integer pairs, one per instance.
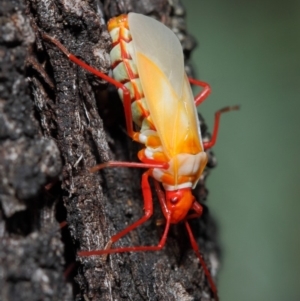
{"points": [[158, 55], [174, 116]]}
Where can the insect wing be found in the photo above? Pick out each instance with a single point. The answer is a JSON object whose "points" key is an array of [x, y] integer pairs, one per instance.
{"points": [[159, 59], [159, 44]]}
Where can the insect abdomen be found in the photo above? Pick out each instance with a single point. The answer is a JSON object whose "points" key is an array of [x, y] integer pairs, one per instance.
{"points": [[125, 70]]}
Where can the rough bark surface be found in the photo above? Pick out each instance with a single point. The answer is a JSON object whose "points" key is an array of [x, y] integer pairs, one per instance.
{"points": [[56, 121]]}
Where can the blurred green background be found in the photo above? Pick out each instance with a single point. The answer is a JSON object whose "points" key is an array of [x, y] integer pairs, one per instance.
{"points": [[249, 51]]}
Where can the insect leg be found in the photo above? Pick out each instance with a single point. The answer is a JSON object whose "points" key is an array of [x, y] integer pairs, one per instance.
{"points": [[198, 210], [213, 139], [126, 93], [128, 164], [148, 207], [161, 197], [203, 264], [199, 98], [160, 245]]}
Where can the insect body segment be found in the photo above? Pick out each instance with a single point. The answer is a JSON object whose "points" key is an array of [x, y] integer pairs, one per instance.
{"points": [[125, 71]]}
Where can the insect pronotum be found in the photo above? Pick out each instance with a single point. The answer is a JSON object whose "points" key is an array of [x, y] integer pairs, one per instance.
{"points": [[148, 70]]}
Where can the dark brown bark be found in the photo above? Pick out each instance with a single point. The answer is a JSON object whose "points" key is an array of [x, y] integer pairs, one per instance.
{"points": [[53, 127]]}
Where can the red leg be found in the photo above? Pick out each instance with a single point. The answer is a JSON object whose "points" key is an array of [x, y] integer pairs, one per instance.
{"points": [[128, 164], [63, 224], [203, 264], [69, 270], [126, 93], [198, 211], [161, 197], [213, 139], [160, 245], [199, 98], [148, 207]]}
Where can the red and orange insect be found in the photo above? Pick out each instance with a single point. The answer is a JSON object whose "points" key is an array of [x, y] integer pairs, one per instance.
{"points": [[148, 70]]}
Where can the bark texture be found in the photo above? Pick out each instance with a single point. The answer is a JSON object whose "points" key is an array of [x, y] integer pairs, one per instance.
{"points": [[56, 121]]}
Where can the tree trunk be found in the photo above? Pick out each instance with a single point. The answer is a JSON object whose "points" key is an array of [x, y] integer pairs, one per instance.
{"points": [[56, 122]]}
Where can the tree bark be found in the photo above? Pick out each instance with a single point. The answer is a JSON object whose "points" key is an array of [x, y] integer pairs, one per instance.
{"points": [[56, 122]]}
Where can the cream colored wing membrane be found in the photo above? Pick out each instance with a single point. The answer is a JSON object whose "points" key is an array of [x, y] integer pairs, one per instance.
{"points": [[157, 42], [173, 116], [188, 99]]}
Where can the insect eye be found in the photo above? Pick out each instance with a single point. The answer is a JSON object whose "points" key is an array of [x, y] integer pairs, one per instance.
{"points": [[174, 200]]}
